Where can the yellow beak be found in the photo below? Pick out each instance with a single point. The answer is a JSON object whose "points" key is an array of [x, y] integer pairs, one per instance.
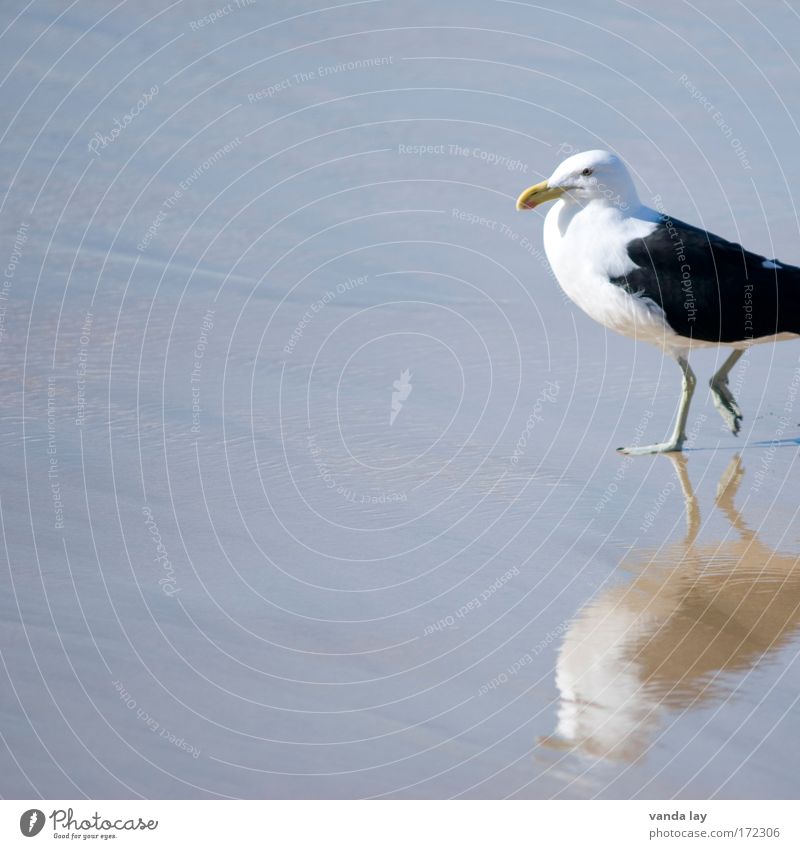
{"points": [[540, 193]]}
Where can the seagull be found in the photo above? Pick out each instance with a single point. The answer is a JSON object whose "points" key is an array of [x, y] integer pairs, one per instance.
{"points": [[651, 277]]}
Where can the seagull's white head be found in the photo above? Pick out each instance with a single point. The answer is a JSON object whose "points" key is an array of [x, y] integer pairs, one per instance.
{"points": [[594, 175]]}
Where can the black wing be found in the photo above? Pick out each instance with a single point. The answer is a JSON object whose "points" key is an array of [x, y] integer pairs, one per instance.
{"points": [[711, 289]]}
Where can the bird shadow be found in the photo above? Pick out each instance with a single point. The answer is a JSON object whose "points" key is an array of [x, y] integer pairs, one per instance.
{"points": [[792, 440], [683, 633]]}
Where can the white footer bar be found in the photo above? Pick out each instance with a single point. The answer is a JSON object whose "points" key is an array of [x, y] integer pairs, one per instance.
{"points": [[402, 824]]}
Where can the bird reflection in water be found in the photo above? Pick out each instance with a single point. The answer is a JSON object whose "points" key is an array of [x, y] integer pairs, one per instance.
{"points": [[695, 618]]}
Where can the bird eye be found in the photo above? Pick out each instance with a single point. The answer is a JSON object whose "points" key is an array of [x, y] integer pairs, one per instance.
{"points": [[587, 172]]}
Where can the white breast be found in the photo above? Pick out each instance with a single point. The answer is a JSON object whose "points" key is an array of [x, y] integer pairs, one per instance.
{"points": [[587, 245]]}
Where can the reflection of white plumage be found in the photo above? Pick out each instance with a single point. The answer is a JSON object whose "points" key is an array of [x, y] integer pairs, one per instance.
{"points": [[653, 278], [692, 614]]}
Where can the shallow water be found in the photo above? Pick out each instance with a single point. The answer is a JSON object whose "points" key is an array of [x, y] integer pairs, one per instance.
{"points": [[236, 564]]}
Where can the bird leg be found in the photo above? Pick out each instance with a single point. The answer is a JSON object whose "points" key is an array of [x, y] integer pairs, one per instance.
{"points": [[723, 399], [678, 437]]}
